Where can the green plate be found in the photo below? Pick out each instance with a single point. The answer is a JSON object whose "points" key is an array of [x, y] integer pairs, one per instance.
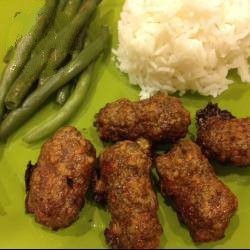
{"points": [[20, 230]]}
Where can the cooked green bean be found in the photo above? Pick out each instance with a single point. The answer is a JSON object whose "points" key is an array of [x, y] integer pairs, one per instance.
{"points": [[9, 54], [23, 50], [53, 28], [71, 8], [61, 6], [64, 14], [64, 93], [19, 116], [34, 67], [62, 117], [66, 39], [80, 40]]}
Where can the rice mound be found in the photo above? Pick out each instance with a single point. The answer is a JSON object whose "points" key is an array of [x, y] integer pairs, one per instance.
{"points": [[181, 45]]}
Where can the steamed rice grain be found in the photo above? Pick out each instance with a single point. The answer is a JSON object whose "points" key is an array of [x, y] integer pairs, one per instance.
{"points": [[181, 45]]}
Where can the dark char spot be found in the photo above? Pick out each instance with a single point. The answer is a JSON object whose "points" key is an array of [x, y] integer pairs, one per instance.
{"points": [[28, 174], [70, 182]]}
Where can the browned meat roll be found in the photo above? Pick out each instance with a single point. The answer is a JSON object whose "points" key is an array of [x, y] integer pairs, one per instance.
{"points": [[125, 183], [201, 200], [222, 137], [57, 184], [159, 118]]}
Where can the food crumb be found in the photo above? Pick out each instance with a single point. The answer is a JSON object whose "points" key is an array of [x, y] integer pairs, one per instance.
{"points": [[17, 13]]}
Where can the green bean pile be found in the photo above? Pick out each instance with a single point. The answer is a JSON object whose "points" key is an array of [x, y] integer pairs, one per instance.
{"points": [[52, 57]]}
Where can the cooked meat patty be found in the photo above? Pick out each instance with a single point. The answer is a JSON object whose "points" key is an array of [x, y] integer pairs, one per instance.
{"points": [[159, 118], [124, 181], [222, 137], [56, 186], [201, 200]]}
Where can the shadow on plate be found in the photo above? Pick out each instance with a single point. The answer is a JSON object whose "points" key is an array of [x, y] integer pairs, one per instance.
{"points": [[5, 200], [102, 222], [98, 143], [164, 236], [2, 210], [1, 150], [83, 224], [233, 174]]}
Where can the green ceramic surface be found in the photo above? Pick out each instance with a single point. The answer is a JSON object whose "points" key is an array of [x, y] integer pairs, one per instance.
{"points": [[20, 230]]}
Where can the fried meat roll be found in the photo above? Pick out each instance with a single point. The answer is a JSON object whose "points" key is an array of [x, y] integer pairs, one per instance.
{"points": [[159, 118], [200, 199], [124, 182], [222, 137], [57, 184]]}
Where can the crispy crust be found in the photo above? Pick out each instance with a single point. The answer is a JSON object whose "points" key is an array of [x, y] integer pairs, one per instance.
{"points": [[211, 110], [125, 181], [201, 200], [28, 173], [56, 187], [222, 137], [159, 118]]}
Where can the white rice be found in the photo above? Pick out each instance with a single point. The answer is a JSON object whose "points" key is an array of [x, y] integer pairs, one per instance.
{"points": [[181, 45]]}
